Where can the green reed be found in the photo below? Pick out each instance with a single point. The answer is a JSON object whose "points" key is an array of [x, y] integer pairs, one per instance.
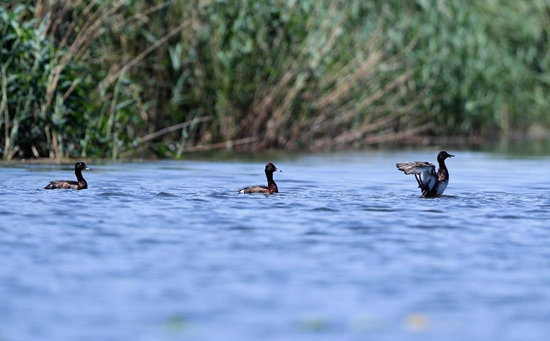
{"points": [[123, 78]]}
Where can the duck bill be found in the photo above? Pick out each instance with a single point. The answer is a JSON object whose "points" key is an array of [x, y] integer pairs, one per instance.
{"points": [[88, 169], [451, 155], [278, 170]]}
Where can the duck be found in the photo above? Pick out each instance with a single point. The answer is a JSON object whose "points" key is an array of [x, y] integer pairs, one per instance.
{"points": [[67, 184], [271, 185], [431, 184]]}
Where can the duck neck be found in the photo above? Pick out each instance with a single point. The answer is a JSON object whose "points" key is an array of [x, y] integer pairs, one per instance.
{"points": [[442, 166], [270, 182], [79, 176]]}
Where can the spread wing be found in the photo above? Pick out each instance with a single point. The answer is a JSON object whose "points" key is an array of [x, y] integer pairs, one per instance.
{"points": [[424, 172]]}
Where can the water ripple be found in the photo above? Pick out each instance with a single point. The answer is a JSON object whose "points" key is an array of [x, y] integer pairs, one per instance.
{"points": [[348, 252]]}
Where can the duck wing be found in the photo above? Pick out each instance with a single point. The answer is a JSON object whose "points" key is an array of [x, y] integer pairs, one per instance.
{"points": [[254, 189], [62, 184], [424, 172]]}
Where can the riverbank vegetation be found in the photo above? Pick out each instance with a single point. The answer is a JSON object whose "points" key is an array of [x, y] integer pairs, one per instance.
{"points": [[123, 78]]}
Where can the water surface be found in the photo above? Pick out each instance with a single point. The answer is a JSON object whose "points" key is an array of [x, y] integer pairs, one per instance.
{"points": [[346, 251]]}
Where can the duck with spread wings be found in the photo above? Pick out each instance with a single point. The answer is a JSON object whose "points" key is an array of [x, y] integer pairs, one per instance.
{"points": [[431, 183]]}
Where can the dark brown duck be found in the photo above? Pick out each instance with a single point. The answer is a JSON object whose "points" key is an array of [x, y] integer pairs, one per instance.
{"points": [[67, 184], [271, 185], [431, 184]]}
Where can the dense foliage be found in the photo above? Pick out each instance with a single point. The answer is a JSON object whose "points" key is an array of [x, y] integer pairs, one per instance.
{"points": [[115, 78]]}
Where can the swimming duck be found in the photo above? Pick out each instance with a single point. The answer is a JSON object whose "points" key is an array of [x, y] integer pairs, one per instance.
{"points": [[271, 185], [66, 184], [431, 183]]}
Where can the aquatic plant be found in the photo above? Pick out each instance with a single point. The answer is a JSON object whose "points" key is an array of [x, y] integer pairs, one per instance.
{"points": [[41, 93], [122, 78]]}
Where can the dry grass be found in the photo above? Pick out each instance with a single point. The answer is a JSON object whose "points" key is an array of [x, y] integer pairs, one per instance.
{"points": [[108, 78]]}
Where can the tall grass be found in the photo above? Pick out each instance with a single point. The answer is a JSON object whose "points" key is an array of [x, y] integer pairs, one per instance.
{"points": [[120, 78]]}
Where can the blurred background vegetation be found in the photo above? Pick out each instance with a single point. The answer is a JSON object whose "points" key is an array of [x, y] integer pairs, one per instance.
{"points": [[110, 78]]}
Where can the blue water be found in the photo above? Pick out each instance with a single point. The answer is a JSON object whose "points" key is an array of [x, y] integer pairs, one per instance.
{"points": [[346, 251]]}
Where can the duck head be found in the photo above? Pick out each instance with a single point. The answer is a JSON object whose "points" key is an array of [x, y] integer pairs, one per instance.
{"points": [[443, 155], [270, 168], [80, 166]]}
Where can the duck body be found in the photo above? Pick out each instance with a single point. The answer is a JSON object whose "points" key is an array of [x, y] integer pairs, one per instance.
{"points": [[430, 182], [69, 184], [271, 185], [260, 189]]}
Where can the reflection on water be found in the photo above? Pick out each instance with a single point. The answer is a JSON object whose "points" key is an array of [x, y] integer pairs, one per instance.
{"points": [[347, 250], [521, 147]]}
